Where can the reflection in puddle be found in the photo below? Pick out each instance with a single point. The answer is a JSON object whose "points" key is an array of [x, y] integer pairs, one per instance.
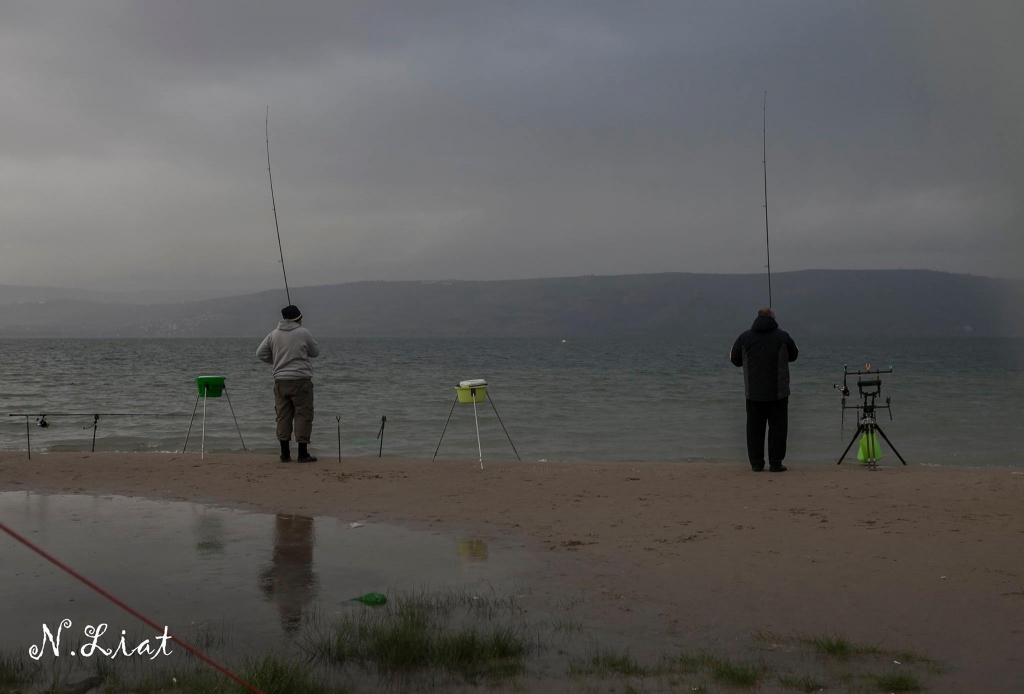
{"points": [[289, 581], [188, 565], [209, 532], [472, 551]]}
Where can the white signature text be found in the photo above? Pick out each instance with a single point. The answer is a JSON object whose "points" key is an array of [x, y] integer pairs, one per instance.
{"points": [[91, 646]]}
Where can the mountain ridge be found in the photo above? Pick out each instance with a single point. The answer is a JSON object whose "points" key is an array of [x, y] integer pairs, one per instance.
{"points": [[826, 302]]}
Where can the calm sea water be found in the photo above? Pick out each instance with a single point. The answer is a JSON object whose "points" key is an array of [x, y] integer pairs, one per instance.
{"points": [[956, 401]]}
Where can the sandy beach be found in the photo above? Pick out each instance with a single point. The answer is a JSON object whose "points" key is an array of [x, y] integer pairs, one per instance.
{"points": [[689, 555]]}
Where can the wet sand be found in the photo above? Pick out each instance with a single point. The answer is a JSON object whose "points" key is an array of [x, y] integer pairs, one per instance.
{"points": [[672, 555]]}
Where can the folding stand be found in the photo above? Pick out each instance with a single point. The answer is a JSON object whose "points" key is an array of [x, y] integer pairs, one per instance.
{"points": [[210, 387], [474, 391], [870, 451]]}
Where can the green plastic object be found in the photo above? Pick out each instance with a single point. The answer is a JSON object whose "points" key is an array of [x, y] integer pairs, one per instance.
{"points": [[466, 395], [869, 442], [210, 386], [372, 599]]}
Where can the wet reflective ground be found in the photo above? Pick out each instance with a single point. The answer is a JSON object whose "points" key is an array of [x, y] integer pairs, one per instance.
{"points": [[270, 597], [253, 579]]}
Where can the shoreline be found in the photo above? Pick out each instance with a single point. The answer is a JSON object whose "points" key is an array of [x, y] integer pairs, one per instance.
{"points": [[666, 552], [269, 454]]}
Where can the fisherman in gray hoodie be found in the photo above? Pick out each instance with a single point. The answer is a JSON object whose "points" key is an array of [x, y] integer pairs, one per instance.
{"points": [[289, 349]]}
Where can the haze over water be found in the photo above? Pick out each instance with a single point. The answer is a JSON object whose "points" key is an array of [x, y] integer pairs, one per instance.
{"points": [[956, 401]]}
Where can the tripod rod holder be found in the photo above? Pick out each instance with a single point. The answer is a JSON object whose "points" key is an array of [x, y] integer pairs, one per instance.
{"points": [[870, 391]]}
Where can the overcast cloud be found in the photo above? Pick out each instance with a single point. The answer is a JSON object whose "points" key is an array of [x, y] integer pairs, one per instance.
{"points": [[474, 140]]}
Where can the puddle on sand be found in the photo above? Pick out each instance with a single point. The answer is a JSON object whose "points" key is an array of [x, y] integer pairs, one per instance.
{"points": [[184, 565]]}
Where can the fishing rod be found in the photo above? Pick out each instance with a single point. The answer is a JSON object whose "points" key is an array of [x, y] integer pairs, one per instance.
{"points": [[764, 163], [43, 421], [273, 203], [97, 414]]}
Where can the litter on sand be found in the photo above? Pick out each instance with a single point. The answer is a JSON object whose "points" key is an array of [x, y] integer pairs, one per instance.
{"points": [[371, 599]]}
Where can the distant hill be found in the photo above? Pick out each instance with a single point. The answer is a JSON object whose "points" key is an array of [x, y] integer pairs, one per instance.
{"points": [[14, 294], [812, 302]]}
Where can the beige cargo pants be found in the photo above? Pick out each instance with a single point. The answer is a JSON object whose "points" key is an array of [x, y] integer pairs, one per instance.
{"points": [[294, 400]]}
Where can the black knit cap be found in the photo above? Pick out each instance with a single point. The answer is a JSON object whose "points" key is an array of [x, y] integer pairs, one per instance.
{"points": [[291, 313]]}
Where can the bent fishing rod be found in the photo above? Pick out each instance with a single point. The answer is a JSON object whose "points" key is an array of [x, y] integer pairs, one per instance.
{"points": [[764, 164], [273, 203]]}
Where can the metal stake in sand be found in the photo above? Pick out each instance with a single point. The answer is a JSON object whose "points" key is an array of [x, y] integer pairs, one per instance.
{"points": [[476, 420], [380, 435], [95, 423], [338, 417]]}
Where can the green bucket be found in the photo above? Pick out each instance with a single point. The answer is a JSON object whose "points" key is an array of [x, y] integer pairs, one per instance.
{"points": [[210, 386]]}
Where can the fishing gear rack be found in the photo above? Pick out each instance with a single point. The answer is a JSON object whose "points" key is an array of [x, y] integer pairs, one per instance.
{"points": [[210, 387], [869, 391], [472, 391], [43, 421]]}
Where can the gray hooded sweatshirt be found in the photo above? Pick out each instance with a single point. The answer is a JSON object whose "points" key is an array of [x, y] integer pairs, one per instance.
{"points": [[289, 349]]}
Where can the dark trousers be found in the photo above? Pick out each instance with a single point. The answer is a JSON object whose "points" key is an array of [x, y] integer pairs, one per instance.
{"points": [[293, 400], [774, 415]]}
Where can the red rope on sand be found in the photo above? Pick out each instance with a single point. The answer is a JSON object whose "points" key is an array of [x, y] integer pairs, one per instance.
{"points": [[56, 562]]}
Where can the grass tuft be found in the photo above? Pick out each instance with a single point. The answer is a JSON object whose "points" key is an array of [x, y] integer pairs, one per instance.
{"points": [[741, 674], [170, 679], [768, 638], [913, 658], [803, 683], [414, 631], [685, 663], [841, 648], [566, 623], [831, 645], [15, 671], [273, 675], [897, 682], [605, 662], [209, 636]]}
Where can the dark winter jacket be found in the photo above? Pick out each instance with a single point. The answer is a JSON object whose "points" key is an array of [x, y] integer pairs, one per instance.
{"points": [[764, 352]]}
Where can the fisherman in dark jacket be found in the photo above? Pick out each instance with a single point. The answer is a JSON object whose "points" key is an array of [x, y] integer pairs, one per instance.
{"points": [[764, 352]]}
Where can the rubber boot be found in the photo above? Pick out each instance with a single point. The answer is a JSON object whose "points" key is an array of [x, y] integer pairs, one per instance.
{"points": [[304, 456]]}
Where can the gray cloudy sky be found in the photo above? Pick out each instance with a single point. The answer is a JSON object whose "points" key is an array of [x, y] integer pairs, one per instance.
{"points": [[429, 139]]}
